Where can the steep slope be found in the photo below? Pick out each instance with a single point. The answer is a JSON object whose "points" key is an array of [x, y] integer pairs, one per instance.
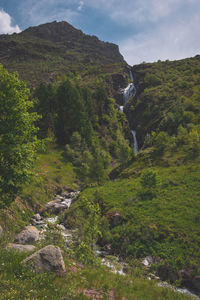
{"points": [[44, 52], [167, 96]]}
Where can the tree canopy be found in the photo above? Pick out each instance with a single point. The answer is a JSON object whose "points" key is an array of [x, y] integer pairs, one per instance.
{"points": [[18, 141]]}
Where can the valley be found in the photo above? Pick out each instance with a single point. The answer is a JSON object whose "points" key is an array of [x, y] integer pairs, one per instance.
{"points": [[126, 141]]}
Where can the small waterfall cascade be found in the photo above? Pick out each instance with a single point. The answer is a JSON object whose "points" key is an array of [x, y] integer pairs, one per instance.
{"points": [[129, 91], [131, 76], [135, 144]]}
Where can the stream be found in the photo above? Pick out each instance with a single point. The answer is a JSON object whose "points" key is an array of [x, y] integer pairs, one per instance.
{"points": [[69, 235]]}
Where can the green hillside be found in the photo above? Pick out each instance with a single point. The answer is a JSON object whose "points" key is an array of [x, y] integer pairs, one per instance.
{"points": [[68, 134]]}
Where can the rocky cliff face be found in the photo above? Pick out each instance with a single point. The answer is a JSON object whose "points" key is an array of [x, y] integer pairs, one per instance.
{"points": [[46, 51]]}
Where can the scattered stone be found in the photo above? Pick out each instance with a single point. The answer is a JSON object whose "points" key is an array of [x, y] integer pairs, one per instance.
{"points": [[52, 203], [58, 208], [1, 231], [65, 194], [28, 235], [92, 294], [148, 261], [38, 223], [61, 227], [37, 217], [48, 258], [20, 247]]}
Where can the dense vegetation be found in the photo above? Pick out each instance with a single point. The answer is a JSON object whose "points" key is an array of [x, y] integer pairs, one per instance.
{"points": [[167, 99], [157, 196], [88, 125], [131, 206], [18, 141]]}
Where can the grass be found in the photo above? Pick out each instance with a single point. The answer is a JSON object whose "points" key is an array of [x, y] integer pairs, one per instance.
{"points": [[165, 225], [50, 172], [19, 283]]}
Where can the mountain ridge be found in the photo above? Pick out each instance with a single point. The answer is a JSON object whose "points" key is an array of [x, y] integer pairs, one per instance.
{"points": [[44, 52]]}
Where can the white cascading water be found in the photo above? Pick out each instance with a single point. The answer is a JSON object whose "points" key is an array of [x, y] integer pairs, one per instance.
{"points": [[135, 144], [131, 76], [129, 92]]}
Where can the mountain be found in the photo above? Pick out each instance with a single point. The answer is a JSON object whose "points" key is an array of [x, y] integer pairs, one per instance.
{"points": [[140, 210], [45, 52]]}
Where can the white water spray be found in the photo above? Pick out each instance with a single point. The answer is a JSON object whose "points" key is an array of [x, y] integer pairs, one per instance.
{"points": [[135, 144]]}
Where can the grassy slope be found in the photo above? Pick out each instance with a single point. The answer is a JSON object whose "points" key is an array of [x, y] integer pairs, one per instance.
{"points": [[50, 172], [166, 226], [167, 96], [18, 283]]}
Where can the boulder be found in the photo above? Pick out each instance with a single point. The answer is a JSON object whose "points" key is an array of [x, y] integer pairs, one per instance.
{"points": [[185, 277], [37, 217], [148, 261], [48, 258], [52, 203], [115, 218], [58, 208], [20, 247], [29, 235], [165, 272], [196, 284], [1, 231], [40, 223]]}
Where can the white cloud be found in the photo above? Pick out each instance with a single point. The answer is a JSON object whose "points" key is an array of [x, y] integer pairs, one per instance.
{"points": [[130, 11], [170, 41], [81, 4], [6, 24], [43, 11]]}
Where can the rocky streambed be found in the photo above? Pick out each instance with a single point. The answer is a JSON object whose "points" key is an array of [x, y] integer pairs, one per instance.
{"points": [[50, 257]]}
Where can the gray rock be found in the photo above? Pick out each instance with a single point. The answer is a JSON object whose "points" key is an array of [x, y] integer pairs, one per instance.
{"points": [[29, 235], [52, 203], [58, 208], [48, 258], [65, 194], [37, 217], [61, 227], [117, 218], [40, 223], [148, 261], [20, 247], [1, 232]]}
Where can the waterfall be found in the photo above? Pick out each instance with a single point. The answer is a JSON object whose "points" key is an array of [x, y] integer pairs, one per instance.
{"points": [[131, 76], [129, 92], [135, 144]]}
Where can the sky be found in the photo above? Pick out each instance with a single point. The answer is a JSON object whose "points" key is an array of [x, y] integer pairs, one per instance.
{"points": [[145, 30]]}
